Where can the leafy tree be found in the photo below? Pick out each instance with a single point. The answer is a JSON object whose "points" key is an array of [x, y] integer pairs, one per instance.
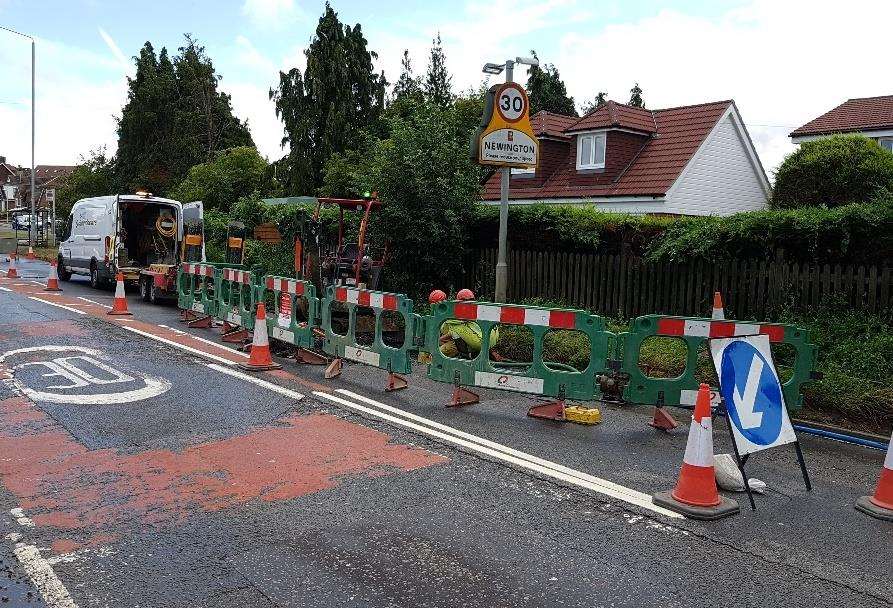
{"points": [[438, 82], [94, 176], [833, 171], [592, 105], [426, 213], [174, 118], [408, 86], [324, 108], [547, 91], [220, 182], [635, 97]]}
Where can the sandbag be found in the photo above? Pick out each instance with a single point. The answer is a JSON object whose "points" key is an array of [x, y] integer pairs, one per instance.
{"points": [[728, 475]]}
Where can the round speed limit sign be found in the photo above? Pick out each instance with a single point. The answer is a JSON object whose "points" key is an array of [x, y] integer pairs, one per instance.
{"points": [[511, 102]]}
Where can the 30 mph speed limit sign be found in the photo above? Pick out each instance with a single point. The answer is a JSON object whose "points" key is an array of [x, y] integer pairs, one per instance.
{"points": [[506, 138], [511, 102]]}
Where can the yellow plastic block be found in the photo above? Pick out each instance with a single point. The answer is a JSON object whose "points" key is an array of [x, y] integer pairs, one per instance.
{"points": [[582, 415]]}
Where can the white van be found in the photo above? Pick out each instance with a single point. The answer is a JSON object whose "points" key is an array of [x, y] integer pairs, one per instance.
{"points": [[139, 235]]}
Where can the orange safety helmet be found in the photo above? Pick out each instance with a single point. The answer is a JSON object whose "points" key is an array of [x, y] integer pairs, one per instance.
{"points": [[465, 294], [436, 296]]}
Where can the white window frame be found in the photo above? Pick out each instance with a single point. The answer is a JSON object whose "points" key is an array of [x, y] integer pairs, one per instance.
{"points": [[589, 163], [886, 143]]}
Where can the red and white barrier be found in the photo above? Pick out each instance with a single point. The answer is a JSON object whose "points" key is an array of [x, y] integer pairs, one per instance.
{"points": [[671, 326], [517, 315], [362, 297]]}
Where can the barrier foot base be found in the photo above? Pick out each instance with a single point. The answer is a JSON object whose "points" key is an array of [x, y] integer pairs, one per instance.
{"points": [[334, 368], [865, 505], [553, 410], [187, 315], [463, 396], [308, 357], [725, 508], [236, 335], [202, 323], [396, 382], [663, 420]]}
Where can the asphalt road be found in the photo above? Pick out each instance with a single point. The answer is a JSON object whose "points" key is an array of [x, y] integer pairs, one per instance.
{"points": [[139, 467]]}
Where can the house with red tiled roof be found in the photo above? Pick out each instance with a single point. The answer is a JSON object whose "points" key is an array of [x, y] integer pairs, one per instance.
{"points": [[868, 116], [689, 160]]}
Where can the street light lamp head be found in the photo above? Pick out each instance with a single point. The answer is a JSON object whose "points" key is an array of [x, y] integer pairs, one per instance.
{"points": [[493, 68], [527, 60]]}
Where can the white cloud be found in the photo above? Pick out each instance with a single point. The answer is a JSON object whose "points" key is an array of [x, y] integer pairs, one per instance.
{"points": [[252, 102], [783, 63], [272, 14], [78, 93]]}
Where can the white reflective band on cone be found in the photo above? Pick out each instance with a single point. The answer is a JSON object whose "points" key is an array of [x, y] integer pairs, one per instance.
{"points": [[699, 449]]}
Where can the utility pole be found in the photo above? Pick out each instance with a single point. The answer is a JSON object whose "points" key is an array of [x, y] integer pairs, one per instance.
{"points": [[502, 267], [32, 228], [501, 291]]}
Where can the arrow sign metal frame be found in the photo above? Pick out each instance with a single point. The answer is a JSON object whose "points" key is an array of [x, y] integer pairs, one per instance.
{"points": [[753, 400]]}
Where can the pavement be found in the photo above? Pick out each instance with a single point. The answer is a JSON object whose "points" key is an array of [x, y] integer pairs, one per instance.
{"points": [[141, 467]]}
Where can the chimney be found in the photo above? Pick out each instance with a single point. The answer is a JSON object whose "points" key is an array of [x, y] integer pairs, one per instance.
{"points": [[2, 159]]}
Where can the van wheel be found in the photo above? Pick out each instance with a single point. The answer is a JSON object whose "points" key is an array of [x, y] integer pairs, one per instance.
{"points": [[144, 289], [64, 275], [95, 281]]}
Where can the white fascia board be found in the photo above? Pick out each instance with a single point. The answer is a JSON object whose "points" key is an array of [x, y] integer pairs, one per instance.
{"points": [[620, 204], [799, 139]]}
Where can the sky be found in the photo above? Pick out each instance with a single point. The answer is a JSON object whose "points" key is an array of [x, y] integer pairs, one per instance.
{"points": [[784, 62]]}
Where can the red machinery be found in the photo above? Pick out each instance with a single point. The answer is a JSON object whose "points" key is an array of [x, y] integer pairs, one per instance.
{"points": [[345, 263]]}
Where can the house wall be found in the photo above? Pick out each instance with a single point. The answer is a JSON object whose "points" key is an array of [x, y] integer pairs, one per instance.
{"points": [[721, 178]]}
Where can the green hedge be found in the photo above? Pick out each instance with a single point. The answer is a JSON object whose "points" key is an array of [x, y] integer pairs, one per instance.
{"points": [[833, 171], [856, 233]]}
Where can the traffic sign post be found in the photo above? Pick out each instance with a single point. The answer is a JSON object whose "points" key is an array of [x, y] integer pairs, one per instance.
{"points": [[505, 139], [754, 401]]}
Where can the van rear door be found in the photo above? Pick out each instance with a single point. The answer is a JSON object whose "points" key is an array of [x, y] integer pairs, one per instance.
{"points": [[193, 232]]}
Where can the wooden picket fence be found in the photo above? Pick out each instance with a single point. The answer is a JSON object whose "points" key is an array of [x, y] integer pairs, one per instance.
{"points": [[626, 286]]}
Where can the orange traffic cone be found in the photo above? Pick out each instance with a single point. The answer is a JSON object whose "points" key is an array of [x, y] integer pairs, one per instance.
{"points": [[31, 255], [12, 273], [719, 313], [53, 279], [881, 504], [119, 306], [695, 494], [260, 358]]}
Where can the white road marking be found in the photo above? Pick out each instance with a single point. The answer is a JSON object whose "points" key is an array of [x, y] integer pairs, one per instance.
{"points": [[6, 289], [93, 302], [500, 452], [255, 380], [23, 520], [57, 305], [194, 351], [44, 578], [205, 340], [14, 537]]}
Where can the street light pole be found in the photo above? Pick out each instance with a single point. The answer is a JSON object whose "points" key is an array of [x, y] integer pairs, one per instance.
{"points": [[501, 291], [31, 224]]}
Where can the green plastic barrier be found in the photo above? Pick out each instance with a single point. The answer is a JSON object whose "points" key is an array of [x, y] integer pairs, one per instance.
{"points": [[197, 288], [283, 317], [694, 331], [376, 352], [237, 296], [539, 377]]}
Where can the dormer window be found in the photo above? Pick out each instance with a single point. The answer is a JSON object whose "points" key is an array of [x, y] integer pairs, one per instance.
{"points": [[591, 151]]}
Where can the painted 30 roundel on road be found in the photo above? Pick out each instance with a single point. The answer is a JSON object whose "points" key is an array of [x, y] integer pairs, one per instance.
{"points": [[763, 400]]}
